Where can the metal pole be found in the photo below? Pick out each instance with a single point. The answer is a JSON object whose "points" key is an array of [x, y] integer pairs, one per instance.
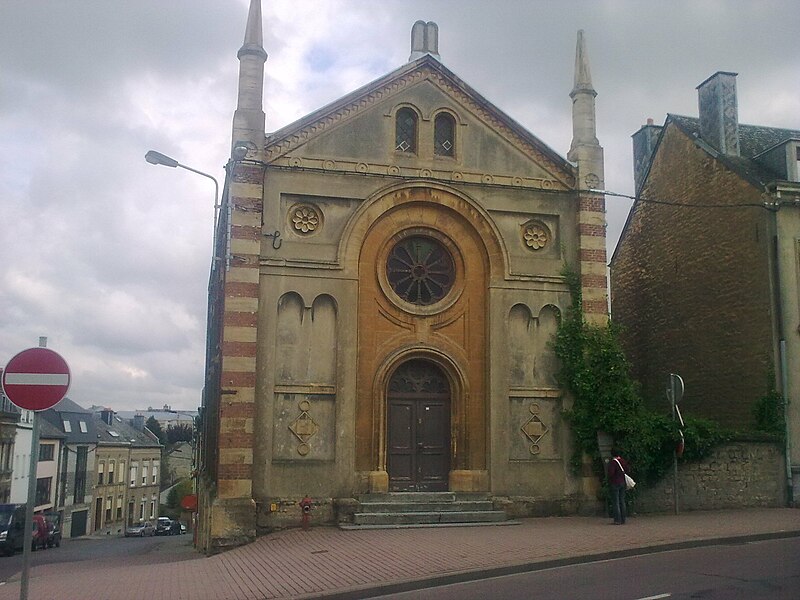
{"points": [[29, 506], [671, 394]]}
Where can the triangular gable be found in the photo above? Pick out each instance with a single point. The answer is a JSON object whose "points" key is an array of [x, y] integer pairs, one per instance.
{"points": [[426, 68]]}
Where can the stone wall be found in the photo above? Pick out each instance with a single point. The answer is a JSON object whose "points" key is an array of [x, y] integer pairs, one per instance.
{"points": [[736, 475]]}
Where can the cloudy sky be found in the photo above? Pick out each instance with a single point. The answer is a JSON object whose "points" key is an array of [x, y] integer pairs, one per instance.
{"points": [[108, 256]]}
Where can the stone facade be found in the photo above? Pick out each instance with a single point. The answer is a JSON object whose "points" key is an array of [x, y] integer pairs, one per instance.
{"points": [[387, 281], [736, 475]]}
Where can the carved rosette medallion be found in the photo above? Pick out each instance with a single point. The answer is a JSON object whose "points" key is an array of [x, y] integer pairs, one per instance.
{"points": [[305, 219], [534, 429], [304, 428], [535, 235]]}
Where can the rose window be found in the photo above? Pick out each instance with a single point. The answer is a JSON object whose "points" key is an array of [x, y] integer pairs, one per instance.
{"points": [[420, 270]]}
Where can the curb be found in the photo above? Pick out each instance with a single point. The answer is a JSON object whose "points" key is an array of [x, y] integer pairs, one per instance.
{"points": [[374, 591]]}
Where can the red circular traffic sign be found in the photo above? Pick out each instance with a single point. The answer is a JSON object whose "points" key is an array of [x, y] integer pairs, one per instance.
{"points": [[36, 379]]}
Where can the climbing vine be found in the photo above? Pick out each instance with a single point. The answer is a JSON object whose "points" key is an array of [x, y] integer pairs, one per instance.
{"points": [[606, 398]]}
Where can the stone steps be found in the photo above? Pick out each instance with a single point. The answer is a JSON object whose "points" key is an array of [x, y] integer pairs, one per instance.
{"points": [[425, 509]]}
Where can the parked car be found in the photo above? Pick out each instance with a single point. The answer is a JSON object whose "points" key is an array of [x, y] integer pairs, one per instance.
{"points": [[140, 529], [163, 526], [40, 533], [175, 527], [12, 528], [53, 529]]}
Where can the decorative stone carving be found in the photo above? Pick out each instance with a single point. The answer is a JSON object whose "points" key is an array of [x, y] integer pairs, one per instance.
{"points": [[592, 181], [304, 428], [534, 429], [535, 235], [306, 219]]}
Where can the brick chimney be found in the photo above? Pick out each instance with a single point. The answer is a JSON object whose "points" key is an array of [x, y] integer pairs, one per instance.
{"points": [[644, 144], [719, 118]]}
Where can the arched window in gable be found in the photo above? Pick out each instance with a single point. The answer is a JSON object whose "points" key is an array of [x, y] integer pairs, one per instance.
{"points": [[405, 138], [444, 135]]}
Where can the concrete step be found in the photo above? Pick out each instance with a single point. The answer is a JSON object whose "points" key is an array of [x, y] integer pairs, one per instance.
{"points": [[438, 506], [423, 496], [420, 518]]}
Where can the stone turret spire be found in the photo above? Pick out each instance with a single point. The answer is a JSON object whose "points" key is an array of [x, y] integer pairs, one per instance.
{"points": [[248, 120], [584, 130], [587, 154]]}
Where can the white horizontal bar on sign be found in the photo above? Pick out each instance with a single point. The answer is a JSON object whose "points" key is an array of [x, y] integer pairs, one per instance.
{"points": [[37, 378]]}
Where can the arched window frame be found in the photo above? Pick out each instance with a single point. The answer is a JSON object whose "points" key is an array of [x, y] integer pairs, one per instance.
{"points": [[444, 144], [406, 130]]}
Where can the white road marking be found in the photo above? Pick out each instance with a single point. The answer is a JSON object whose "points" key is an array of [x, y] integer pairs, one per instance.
{"points": [[655, 597]]}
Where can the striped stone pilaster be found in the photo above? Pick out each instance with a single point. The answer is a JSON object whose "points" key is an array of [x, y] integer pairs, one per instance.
{"points": [[592, 252], [239, 335]]}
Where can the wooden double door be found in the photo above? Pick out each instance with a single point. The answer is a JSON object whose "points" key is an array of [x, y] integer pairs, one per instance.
{"points": [[418, 452]]}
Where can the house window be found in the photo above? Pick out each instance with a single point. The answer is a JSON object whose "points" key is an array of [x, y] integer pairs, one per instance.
{"points": [[444, 135], [144, 474], [67, 426], [100, 469], [109, 502], [80, 474], [46, 452], [119, 507], [111, 472], [141, 510], [405, 137], [152, 509], [82, 425], [134, 469], [155, 474], [43, 487]]}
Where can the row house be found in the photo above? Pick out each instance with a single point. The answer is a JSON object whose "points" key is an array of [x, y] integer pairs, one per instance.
{"points": [[77, 461], [127, 476], [9, 416]]}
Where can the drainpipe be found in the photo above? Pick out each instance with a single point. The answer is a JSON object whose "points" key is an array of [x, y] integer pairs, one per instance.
{"points": [[776, 204]]}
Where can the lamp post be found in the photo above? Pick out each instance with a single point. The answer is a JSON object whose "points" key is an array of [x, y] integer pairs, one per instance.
{"points": [[156, 158]]}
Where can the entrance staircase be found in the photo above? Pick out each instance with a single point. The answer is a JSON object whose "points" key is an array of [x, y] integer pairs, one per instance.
{"points": [[425, 509]]}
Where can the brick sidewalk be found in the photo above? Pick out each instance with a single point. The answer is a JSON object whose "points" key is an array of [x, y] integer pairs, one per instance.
{"points": [[325, 561]]}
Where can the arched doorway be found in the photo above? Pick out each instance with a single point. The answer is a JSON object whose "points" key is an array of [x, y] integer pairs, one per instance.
{"points": [[418, 428]]}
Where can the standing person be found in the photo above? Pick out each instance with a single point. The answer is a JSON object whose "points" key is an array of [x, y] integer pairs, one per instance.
{"points": [[617, 468]]}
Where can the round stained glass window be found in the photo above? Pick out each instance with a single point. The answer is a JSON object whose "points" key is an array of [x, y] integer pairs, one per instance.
{"points": [[420, 270]]}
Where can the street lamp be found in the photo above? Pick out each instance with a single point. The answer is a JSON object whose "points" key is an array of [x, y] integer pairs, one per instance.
{"points": [[156, 158]]}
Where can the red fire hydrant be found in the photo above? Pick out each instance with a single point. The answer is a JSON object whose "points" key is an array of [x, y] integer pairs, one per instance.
{"points": [[305, 506]]}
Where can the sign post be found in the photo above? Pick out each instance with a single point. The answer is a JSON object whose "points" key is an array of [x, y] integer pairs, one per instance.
{"points": [[675, 393], [35, 379]]}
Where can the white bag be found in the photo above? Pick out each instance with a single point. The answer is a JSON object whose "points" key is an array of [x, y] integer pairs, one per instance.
{"points": [[629, 482]]}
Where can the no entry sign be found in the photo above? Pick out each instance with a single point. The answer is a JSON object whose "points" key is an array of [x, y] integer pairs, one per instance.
{"points": [[36, 379]]}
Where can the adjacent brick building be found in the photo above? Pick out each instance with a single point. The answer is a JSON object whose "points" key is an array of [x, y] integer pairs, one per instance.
{"points": [[704, 280]]}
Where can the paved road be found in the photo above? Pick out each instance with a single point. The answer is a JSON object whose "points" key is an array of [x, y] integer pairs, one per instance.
{"points": [[766, 569], [104, 550]]}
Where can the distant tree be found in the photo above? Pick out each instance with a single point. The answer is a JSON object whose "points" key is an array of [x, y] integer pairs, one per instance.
{"points": [[182, 432], [154, 426], [177, 493]]}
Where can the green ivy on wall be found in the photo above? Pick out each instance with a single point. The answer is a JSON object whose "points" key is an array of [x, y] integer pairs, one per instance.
{"points": [[606, 398]]}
